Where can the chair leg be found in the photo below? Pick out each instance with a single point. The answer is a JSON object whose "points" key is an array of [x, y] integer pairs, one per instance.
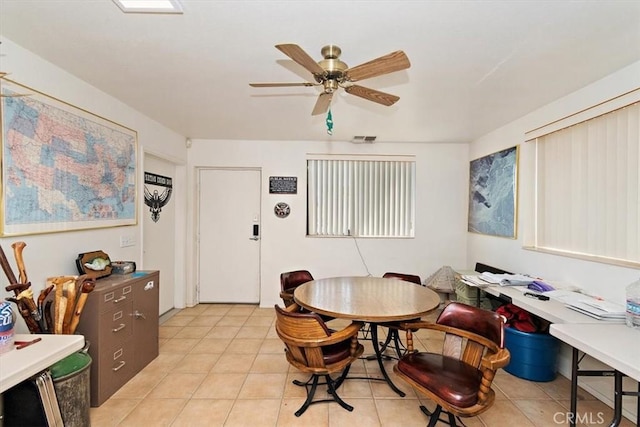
{"points": [[434, 416], [332, 392], [310, 393], [394, 335], [332, 386], [338, 381]]}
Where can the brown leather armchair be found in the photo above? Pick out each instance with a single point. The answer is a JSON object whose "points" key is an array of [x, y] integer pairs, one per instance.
{"points": [[289, 281], [459, 379], [312, 347]]}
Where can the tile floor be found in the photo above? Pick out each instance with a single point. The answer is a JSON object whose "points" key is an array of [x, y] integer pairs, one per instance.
{"points": [[223, 365]]}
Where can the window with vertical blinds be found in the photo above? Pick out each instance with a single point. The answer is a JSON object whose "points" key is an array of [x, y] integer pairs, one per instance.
{"points": [[361, 197], [588, 187]]}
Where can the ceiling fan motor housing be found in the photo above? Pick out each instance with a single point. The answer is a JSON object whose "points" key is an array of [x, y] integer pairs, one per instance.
{"points": [[333, 66]]}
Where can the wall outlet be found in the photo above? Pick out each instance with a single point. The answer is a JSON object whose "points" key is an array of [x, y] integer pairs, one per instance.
{"points": [[128, 240]]}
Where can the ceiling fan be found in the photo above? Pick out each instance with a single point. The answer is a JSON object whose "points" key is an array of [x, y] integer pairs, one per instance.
{"points": [[331, 73]]}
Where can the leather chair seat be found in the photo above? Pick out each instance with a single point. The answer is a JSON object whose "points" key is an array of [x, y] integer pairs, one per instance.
{"points": [[336, 352], [453, 380]]}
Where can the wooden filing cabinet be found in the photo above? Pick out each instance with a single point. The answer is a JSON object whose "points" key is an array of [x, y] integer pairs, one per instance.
{"points": [[120, 321]]}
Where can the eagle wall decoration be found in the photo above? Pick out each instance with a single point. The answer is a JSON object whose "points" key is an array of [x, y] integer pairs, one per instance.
{"points": [[156, 200]]}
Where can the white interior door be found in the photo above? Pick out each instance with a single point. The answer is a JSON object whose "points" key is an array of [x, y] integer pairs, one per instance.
{"points": [[229, 235]]}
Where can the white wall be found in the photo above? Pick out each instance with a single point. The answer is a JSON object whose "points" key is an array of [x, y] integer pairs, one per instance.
{"points": [[605, 280], [54, 254], [442, 175]]}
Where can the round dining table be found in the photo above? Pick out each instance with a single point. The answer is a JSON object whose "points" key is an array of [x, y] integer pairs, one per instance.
{"points": [[373, 300]]}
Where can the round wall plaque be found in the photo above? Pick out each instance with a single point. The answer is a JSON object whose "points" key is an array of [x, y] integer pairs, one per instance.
{"points": [[282, 210]]}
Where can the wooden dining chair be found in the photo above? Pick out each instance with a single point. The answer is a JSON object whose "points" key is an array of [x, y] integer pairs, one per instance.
{"points": [[393, 335], [459, 378], [289, 281], [314, 348]]}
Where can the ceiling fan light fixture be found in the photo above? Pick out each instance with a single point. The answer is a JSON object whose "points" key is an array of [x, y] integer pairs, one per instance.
{"points": [[149, 6]]}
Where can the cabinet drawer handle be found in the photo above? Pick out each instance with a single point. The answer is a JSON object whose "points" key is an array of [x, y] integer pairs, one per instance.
{"points": [[122, 298], [139, 315], [120, 365], [119, 328]]}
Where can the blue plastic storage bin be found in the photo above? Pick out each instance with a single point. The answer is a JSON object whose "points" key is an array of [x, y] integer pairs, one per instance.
{"points": [[534, 356]]}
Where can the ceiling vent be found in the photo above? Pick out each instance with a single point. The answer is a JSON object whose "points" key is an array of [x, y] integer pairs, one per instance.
{"points": [[363, 139]]}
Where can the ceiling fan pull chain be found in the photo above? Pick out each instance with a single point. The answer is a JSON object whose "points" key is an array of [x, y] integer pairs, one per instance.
{"points": [[329, 123]]}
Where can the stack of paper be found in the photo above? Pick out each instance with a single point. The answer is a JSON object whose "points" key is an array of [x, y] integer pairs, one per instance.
{"points": [[507, 279], [474, 280], [599, 309]]}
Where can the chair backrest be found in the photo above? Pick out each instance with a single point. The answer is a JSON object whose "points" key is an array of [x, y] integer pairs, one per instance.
{"points": [[290, 280], [478, 321], [301, 333], [406, 277]]}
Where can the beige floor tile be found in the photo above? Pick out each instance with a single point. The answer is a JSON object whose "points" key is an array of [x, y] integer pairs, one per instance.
{"points": [[316, 415], [541, 413], [242, 310], [504, 413], [197, 363], [204, 413], [518, 388], [232, 321], [255, 413], [400, 413], [139, 386], [233, 363], [364, 414], [264, 311], [257, 320], [216, 309], [211, 345], [166, 332], [179, 321], [193, 331], [179, 345], [177, 385], [165, 362], [112, 412], [270, 363], [244, 346], [253, 332], [205, 320], [263, 386], [223, 332], [154, 412], [273, 346], [220, 386]]}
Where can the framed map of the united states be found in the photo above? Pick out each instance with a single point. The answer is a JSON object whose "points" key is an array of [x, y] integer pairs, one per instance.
{"points": [[63, 168]]}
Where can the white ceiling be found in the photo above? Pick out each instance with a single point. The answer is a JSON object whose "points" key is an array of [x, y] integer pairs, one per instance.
{"points": [[476, 65]]}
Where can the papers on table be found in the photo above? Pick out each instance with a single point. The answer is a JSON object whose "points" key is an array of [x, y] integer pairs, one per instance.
{"points": [[474, 280], [590, 306], [507, 279]]}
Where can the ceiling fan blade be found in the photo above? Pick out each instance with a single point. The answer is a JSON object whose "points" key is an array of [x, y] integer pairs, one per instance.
{"points": [[322, 104], [372, 95], [394, 61], [296, 53], [282, 84]]}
